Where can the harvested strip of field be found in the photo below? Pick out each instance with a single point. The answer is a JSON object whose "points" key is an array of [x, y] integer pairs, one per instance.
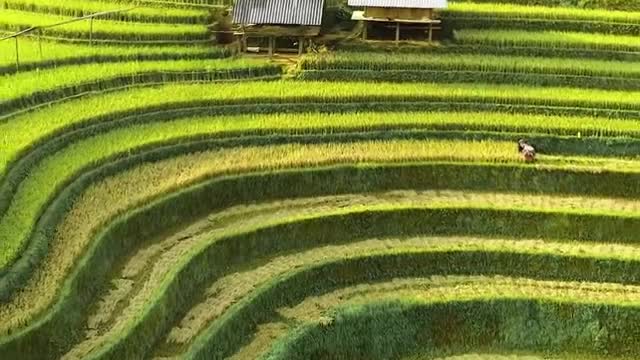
{"points": [[548, 39], [13, 20], [24, 85], [20, 132], [464, 288], [452, 62], [515, 11]]}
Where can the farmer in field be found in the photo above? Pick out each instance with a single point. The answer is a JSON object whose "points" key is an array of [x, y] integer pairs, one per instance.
{"points": [[527, 151]]}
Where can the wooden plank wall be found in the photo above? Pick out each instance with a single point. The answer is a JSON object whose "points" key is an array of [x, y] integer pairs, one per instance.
{"points": [[398, 13]]}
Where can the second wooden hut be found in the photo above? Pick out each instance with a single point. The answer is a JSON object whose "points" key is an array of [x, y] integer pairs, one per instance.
{"points": [[399, 13]]}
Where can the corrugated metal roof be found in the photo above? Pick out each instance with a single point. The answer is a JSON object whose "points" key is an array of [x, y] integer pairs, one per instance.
{"points": [[280, 12], [422, 4]]}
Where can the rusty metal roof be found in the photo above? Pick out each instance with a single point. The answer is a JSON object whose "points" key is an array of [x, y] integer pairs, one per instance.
{"points": [[422, 4], [280, 12]]}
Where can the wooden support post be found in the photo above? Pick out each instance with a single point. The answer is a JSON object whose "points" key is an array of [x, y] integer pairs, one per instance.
{"points": [[91, 32], [243, 40], [430, 32], [365, 28], [397, 33], [271, 46], [17, 55], [40, 43], [301, 45]]}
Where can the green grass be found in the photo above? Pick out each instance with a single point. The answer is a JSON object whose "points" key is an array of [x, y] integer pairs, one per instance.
{"points": [[548, 39], [59, 53], [240, 282], [119, 246], [36, 190], [21, 132], [190, 244], [368, 270], [353, 327], [13, 20], [520, 355], [482, 63], [24, 85], [18, 222], [621, 5], [84, 219], [515, 11], [170, 175], [90, 212], [182, 3], [77, 8]]}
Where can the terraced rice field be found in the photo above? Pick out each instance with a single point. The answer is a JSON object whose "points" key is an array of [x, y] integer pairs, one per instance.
{"points": [[163, 198]]}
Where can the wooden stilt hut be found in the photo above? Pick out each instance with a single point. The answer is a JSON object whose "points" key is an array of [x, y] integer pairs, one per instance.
{"points": [[399, 13], [274, 19]]}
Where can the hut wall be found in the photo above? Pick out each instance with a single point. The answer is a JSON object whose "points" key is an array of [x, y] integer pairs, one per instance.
{"points": [[399, 13]]}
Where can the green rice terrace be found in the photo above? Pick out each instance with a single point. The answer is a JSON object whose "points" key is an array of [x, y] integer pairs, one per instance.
{"points": [[170, 190]]}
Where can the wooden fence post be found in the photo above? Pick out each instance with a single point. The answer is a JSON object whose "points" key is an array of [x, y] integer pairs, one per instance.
{"points": [[17, 55]]}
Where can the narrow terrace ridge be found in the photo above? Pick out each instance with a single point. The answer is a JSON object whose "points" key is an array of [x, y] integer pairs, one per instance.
{"points": [[103, 30], [133, 12]]}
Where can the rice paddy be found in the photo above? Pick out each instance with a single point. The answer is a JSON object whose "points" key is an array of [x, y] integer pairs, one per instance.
{"points": [[163, 196]]}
